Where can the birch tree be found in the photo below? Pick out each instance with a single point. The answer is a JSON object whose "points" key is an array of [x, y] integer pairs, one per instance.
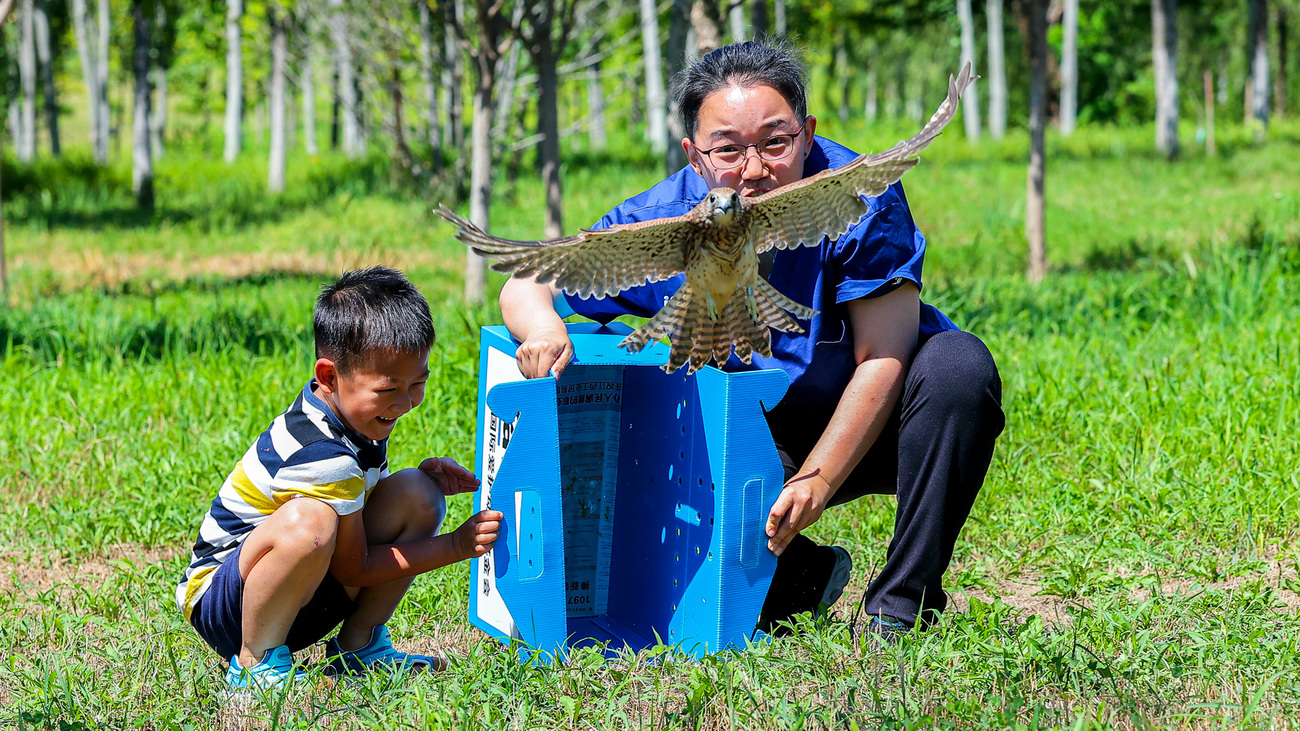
{"points": [[25, 135], [596, 133], [779, 16], [432, 131], [1069, 66], [970, 112], [492, 37], [44, 58], [1280, 78], [234, 79], [707, 24], [1035, 202], [549, 24], [6, 8], [142, 161], [453, 81], [736, 19], [1164, 47], [307, 79], [1257, 55], [679, 26], [278, 22], [89, 42], [997, 71], [655, 98], [346, 89]]}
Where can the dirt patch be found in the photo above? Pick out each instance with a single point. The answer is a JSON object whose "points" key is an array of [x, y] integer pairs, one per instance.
{"points": [[1281, 577], [1026, 596], [96, 269], [26, 575]]}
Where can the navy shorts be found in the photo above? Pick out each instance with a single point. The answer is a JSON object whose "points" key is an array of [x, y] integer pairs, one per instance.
{"points": [[219, 615]]}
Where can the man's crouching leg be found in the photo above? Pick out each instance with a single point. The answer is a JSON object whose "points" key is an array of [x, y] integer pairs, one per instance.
{"points": [[282, 563], [405, 506]]}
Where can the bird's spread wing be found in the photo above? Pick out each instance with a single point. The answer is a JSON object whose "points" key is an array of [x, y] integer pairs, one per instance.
{"points": [[830, 202], [591, 263]]}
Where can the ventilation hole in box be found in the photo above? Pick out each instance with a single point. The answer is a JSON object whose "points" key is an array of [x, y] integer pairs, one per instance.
{"points": [[697, 550], [710, 555]]}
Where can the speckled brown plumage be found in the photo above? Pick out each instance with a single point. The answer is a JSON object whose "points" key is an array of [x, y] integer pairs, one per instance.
{"points": [[724, 303]]}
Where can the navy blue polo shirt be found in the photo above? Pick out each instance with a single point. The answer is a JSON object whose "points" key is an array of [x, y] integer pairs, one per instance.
{"points": [[873, 258]]}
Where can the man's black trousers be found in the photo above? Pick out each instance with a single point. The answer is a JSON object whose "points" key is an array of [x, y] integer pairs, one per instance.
{"points": [[933, 452]]}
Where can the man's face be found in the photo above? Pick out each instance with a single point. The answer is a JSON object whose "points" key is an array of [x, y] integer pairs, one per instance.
{"points": [[747, 115], [369, 399]]}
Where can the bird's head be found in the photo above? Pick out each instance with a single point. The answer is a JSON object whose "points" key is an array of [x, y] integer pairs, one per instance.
{"points": [[721, 204]]}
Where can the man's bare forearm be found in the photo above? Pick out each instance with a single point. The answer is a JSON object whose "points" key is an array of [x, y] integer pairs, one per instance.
{"points": [[860, 417], [527, 307]]}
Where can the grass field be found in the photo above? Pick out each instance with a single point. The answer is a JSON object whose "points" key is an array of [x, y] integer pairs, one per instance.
{"points": [[1131, 562]]}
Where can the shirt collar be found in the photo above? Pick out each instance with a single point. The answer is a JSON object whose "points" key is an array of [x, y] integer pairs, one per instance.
{"points": [[357, 439]]}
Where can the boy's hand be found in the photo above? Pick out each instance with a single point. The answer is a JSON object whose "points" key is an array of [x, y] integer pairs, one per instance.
{"points": [[475, 536], [452, 479]]}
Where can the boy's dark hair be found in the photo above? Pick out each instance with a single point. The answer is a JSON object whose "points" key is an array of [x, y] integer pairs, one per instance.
{"points": [[368, 310], [775, 63]]}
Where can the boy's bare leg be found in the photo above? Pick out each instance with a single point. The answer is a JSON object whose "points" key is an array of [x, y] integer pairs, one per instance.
{"points": [[282, 563], [405, 506]]}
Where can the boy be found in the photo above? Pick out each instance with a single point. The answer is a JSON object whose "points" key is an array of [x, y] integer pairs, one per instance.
{"points": [[310, 529]]}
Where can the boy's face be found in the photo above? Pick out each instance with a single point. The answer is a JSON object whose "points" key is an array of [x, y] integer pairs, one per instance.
{"points": [[369, 399]]}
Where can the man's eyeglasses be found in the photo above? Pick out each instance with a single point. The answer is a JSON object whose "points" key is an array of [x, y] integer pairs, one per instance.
{"points": [[771, 149]]}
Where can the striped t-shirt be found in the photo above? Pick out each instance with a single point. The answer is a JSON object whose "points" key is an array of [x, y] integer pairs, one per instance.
{"points": [[307, 451]]}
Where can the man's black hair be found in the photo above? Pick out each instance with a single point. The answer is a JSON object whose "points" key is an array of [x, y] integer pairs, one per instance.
{"points": [[774, 63], [369, 310]]}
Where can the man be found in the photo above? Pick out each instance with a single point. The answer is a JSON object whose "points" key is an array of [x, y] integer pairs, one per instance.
{"points": [[886, 394]]}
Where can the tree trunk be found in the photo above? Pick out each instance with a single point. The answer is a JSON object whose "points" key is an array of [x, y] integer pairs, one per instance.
{"points": [[970, 109], [1069, 67], [88, 41], [350, 134], [432, 132], [49, 92], [656, 103], [596, 133], [142, 161], [1209, 114], [1257, 53], [997, 71], [158, 117], [708, 26], [1164, 47], [758, 17], [780, 18], [234, 79], [1035, 204], [871, 106], [307, 88], [491, 27], [548, 123], [105, 122], [453, 80], [279, 62], [736, 19], [1280, 78], [679, 28], [507, 76], [25, 135]]}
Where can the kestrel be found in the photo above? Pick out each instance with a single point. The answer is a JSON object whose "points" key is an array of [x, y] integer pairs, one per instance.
{"points": [[724, 302]]}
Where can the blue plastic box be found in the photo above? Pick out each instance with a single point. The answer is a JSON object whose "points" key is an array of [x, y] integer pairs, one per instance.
{"points": [[634, 499]]}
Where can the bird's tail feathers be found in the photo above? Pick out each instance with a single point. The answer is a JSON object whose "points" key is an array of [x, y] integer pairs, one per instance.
{"points": [[776, 309], [667, 321], [749, 335]]}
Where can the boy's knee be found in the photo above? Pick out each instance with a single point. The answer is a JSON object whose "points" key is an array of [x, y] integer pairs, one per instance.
{"points": [[421, 499], [309, 525]]}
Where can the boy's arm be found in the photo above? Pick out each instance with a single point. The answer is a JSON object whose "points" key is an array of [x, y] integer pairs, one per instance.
{"points": [[357, 564]]}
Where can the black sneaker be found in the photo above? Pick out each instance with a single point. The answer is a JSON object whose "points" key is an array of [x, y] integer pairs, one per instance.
{"points": [[808, 578], [887, 630]]}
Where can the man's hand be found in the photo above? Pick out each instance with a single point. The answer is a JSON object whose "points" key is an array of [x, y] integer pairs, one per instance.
{"points": [[475, 536], [450, 477], [800, 505], [546, 349]]}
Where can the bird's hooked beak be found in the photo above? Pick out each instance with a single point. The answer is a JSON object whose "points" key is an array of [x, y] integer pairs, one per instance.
{"points": [[725, 206]]}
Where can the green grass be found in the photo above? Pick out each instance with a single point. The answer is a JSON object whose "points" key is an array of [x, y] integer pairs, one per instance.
{"points": [[1131, 562]]}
